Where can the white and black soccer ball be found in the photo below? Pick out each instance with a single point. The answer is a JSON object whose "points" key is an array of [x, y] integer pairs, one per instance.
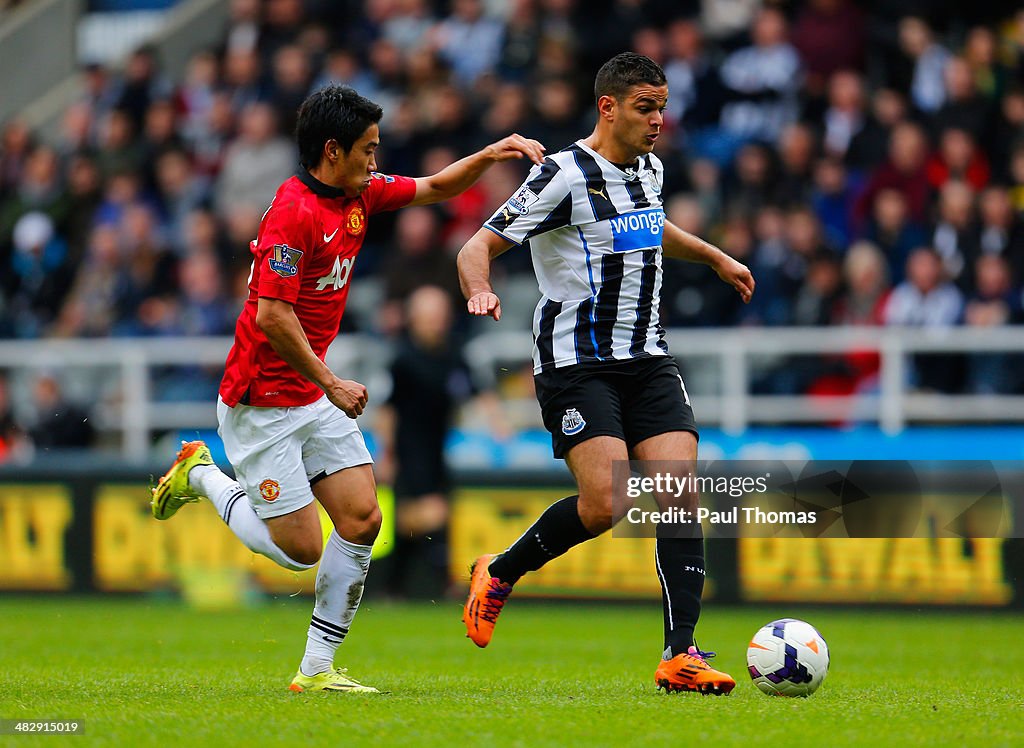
{"points": [[787, 658]]}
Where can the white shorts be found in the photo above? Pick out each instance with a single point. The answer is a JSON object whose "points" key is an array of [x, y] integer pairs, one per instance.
{"points": [[276, 452]]}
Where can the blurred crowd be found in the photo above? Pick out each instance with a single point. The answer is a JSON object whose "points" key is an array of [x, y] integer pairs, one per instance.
{"points": [[865, 159]]}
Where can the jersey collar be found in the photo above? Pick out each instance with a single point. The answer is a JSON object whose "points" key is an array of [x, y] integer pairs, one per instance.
{"points": [[631, 170], [318, 187]]}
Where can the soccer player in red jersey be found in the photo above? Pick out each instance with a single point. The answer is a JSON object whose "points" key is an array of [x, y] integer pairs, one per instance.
{"points": [[287, 420]]}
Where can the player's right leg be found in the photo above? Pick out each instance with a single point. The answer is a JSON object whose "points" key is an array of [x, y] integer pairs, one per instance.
{"points": [[566, 523], [279, 488], [580, 407]]}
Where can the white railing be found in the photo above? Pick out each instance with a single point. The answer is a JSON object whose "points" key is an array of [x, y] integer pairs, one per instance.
{"points": [[727, 359], [719, 366]]}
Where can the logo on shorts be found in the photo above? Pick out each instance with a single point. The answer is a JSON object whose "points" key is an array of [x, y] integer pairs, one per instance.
{"points": [[572, 422], [270, 489]]}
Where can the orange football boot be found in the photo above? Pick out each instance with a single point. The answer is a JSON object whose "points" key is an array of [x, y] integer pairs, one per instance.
{"points": [[690, 671], [487, 596]]}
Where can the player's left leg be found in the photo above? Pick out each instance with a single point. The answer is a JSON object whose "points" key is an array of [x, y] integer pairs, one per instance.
{"points": [[341, 475], [350, 498], [679, 549], [660, 426], [679, 558]]}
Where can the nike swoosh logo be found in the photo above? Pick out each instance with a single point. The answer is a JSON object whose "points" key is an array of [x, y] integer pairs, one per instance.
{"points": [[327, 239]]}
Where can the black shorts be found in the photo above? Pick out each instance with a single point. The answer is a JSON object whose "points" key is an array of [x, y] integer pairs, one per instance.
{"points": [[632, 400]]}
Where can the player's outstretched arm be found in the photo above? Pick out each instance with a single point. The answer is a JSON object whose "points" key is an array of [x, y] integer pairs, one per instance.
{"points": [[284, 332], [683, 245], [456, 178], [474, 262]]}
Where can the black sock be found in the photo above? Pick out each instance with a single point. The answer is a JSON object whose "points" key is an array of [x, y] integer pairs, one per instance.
{"points": [[557, 530], [680, 564]]}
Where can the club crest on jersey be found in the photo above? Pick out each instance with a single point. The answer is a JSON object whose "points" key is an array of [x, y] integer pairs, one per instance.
{"points": [[655, 180], [572, 422], [521, 202], [356, 221], [270, 490], [285, 260]]}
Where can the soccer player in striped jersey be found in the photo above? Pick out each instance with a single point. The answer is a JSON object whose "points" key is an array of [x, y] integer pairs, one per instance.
{"points": [[608, 389]]}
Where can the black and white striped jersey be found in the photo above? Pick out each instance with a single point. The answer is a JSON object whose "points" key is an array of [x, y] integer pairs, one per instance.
{"points": [[594, 230]]}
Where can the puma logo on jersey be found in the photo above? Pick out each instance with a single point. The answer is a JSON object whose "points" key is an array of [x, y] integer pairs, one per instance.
{"points": [[327, 238], [338, 276], [600, 192]]}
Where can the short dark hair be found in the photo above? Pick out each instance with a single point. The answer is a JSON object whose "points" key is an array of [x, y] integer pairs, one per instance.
{"points": [[332, 113], [624, 71]]}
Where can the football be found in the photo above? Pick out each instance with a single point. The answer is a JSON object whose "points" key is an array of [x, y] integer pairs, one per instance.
{"points": [[787, 658]]}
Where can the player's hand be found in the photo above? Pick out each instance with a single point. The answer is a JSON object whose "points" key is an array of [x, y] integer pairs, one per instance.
{"points": [[516, 146], [737, 275], [485, 304], [349, 396]]}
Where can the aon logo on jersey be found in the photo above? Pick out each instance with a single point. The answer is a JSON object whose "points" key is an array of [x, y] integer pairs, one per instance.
{"points": [[338, 276], [640, 229]]}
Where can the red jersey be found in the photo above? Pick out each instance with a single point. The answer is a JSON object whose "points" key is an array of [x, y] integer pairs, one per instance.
{"points": [[307, 244]]}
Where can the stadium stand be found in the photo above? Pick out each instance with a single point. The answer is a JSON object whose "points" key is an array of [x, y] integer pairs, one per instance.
{"points": [[865, 159]]}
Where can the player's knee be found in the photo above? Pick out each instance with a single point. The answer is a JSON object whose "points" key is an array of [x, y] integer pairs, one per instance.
{"points": [[307, 554], [365, 525], [596, 512], [600, 521], [306, 551], [687, 500]]}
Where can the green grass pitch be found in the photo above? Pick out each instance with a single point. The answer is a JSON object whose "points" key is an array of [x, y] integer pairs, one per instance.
{"points": [[146, 671]]}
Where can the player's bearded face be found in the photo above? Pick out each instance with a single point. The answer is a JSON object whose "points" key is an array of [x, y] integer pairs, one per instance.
{"points": [[639, 116], [353, 169]]}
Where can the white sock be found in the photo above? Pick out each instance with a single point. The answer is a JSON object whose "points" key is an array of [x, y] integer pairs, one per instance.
{"points": [[339, 588], [233, 506]]}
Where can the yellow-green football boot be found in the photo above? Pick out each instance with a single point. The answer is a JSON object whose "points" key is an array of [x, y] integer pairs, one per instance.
{"points": [[173, 491], [332, 680]]}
